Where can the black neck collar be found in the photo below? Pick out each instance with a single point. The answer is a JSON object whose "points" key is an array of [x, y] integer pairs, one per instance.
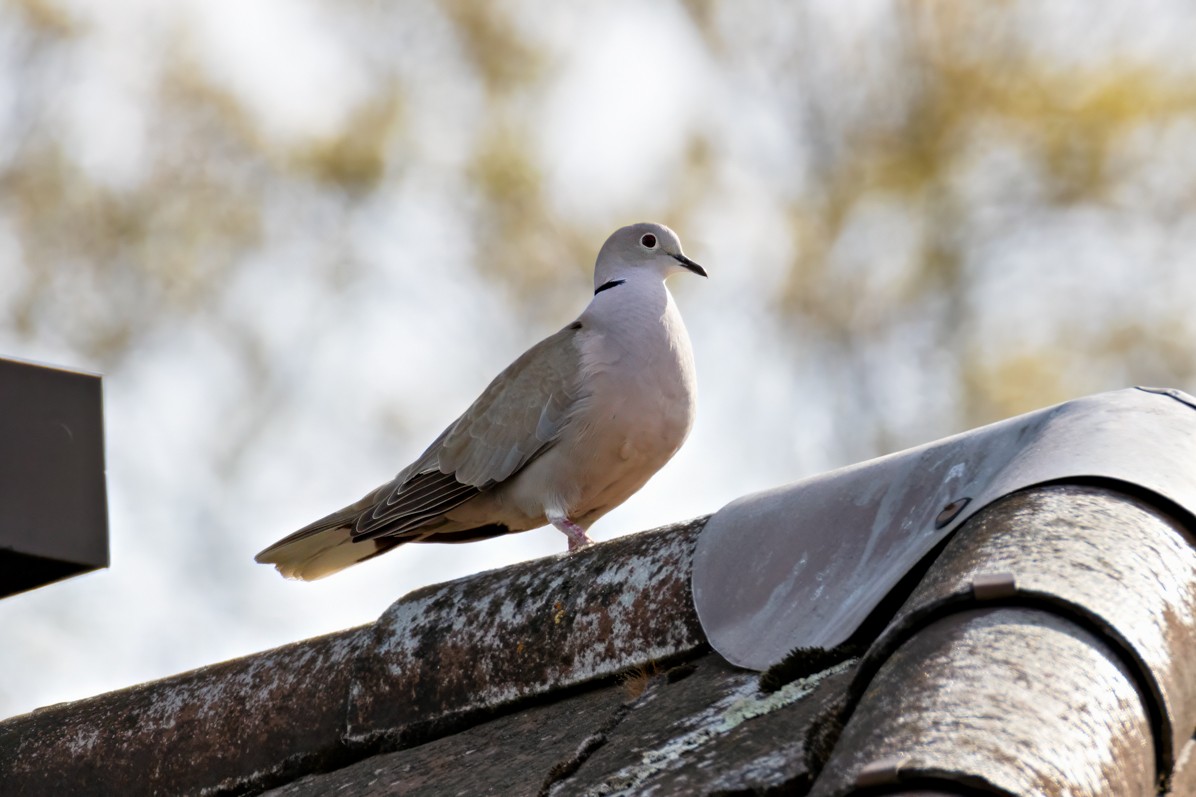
{"points": [[607, 285]]}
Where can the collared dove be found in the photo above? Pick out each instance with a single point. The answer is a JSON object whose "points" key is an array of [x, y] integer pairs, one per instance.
{"points": [[563, 435]]}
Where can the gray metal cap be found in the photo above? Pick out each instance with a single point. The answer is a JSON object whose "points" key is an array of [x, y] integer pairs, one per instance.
{"points": [[803, 565]]}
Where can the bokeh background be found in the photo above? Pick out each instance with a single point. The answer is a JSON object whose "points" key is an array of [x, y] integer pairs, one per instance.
{"points": [[297, 237]]}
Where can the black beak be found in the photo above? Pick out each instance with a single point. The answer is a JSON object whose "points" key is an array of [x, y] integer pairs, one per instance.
{"points": [[691, 265]]}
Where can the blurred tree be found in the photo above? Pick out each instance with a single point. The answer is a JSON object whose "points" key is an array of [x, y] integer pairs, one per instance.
{"points": [[974, 210], [901, 128], [957, 121]]}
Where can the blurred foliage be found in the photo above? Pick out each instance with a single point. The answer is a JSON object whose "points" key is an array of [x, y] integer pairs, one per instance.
{"points": [[897, 128], [964, 80], [918, 216], [505, 60], [355, 158]]}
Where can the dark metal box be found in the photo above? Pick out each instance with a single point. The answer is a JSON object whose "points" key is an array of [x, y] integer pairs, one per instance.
{"points": [[53, 505]]}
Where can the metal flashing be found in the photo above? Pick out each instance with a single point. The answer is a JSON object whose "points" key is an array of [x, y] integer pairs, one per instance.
{"points": [[803, 565], [1171, 392]]}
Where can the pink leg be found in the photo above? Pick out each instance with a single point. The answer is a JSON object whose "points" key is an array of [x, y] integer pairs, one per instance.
{"points": [[575, 533]]}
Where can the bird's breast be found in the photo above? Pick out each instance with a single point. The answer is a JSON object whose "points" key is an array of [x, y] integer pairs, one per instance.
{"points": [[642, 392], [634, 409]]}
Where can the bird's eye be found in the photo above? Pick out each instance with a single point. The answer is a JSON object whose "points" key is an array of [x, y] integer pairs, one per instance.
{"points": [[649, 240]]}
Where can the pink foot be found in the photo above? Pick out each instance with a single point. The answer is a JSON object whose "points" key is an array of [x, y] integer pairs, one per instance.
{"points": [[575, 533]]}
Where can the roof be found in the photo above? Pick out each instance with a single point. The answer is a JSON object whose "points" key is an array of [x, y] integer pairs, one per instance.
{"points": [[1042, 647]]}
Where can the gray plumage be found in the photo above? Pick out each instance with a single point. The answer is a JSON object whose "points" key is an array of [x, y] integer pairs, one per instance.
{"points": [[564, 434]]}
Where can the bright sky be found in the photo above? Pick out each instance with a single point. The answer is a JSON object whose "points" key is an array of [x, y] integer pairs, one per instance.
{"points": [[609, 137]]}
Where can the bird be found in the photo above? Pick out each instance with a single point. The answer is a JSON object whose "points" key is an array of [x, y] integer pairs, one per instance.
{"points": [[564, 434]]}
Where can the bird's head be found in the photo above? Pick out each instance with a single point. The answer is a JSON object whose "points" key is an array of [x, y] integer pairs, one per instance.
{"points": [[643, 248]]}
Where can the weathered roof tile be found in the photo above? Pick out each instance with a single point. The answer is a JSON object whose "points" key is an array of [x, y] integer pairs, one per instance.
{"points": [[534, 627], [510, 755], [1044, 649], [1014, 700], [261, 718], [439, 660], [713, 732], [1109, 561]]}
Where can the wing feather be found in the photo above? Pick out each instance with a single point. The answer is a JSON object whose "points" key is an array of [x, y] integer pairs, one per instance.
{"points": [[520, 412], [426, 495], [518, 415]]}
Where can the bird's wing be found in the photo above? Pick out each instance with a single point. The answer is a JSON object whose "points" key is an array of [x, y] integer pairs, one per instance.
{"points": [[518, 415]]}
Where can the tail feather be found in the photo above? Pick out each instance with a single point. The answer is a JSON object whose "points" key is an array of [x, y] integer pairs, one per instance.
{"points": [[311, 554]]}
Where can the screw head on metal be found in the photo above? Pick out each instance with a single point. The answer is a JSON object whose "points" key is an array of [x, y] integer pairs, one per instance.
{"points": [[950, 512]]}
